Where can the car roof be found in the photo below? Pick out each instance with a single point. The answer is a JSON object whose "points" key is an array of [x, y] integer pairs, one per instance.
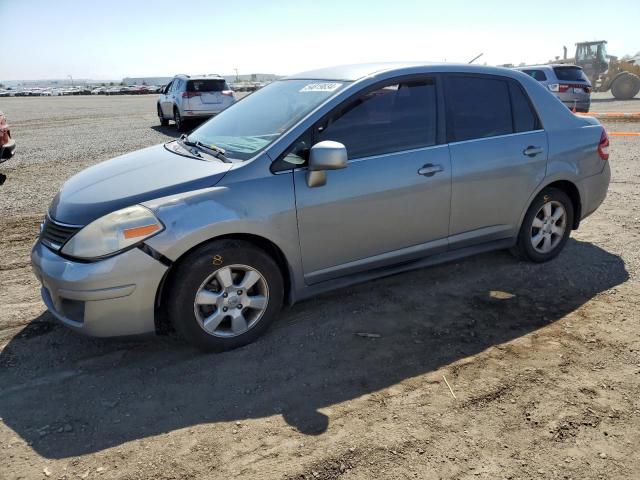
{"points": [[215, 76], [358, 71], [548, 66]]}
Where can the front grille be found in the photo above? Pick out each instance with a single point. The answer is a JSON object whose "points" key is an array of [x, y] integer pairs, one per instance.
{"points": [[55, 234]]}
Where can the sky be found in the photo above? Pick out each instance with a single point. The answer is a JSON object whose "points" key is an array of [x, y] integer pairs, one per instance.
{"points": [[47, 39]]}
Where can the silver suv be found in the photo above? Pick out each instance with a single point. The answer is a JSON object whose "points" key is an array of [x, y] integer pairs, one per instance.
{"points": [[567, 82], [315, 182], [188, 98]]}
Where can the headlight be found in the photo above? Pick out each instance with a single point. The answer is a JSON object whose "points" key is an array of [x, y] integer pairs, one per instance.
{"points": [[113, 232]]}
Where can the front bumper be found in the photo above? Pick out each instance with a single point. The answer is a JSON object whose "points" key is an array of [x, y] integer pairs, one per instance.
{"points": [[109, 298], [8, 150]]}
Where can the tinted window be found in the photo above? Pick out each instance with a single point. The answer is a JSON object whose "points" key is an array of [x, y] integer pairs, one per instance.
{"points": [[569, 74], [524, 119], [392, 118], [478, 107], [537, 74], [209, 85]]}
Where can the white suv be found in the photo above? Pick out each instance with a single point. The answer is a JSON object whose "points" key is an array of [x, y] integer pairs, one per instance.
{"points": [[190, 97]]}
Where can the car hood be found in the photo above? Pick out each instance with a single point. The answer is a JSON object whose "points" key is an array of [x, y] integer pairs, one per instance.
{"points": [[130, 179]]}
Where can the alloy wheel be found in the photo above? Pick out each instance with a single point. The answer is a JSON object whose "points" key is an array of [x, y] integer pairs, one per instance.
{"points": [[548, 227], [231, 301]]}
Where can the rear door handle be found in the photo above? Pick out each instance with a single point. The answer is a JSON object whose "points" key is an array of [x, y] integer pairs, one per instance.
{"points": [[429, 170], [532, 151]]}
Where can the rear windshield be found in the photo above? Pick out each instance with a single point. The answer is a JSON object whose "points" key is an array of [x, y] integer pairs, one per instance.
{"points": [[570, 74], [209, 85]]}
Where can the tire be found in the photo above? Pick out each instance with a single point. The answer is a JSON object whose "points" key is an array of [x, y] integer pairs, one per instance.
{"points": [[625, 86], [180, 122], [197, 296], [163, 121], [532, 241]]}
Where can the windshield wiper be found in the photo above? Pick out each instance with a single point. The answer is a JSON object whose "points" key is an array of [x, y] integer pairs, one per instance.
{"points": [[210, 149]]}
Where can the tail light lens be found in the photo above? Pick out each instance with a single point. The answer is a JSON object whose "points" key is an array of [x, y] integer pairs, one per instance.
{"points": [[191, 94], [227, 93], [562, 88], [603, 146]]}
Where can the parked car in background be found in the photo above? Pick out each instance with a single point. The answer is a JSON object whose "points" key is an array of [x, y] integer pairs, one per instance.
{"points": [[188, 98], [7, 144], [567, 82], [315, 182]]}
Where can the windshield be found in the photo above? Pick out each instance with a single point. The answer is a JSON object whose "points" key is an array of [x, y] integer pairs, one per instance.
{"points": [[259, 119]]}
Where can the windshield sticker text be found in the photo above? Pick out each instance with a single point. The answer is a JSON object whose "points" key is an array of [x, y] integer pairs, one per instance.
{"points": [[321, 87]]}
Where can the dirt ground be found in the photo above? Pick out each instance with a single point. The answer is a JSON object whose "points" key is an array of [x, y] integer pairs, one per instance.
{"points": [[543, 360]]}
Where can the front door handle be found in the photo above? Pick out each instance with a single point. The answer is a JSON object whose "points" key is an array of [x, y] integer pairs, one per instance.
{"points": [[429, 170], [532, 151]]}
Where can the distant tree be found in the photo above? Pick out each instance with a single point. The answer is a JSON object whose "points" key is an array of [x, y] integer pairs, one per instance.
{"points": [[1, 85], [122, 84], [144, 82], [111, 84]]}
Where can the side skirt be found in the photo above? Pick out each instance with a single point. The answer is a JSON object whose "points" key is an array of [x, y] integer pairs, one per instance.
{"points": [[436, 259]]}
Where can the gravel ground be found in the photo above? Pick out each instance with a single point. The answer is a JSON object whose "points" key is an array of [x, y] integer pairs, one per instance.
{"points": [[544, 360]]}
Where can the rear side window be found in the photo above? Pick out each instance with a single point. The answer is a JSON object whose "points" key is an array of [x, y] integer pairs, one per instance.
{"points": [[537, 74], [570, 74], [395, 117], [209, 85], [478, 107], [524, 118]]}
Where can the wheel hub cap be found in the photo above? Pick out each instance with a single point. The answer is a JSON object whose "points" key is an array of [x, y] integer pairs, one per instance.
{"points": [[231, 300], [548, 227]]}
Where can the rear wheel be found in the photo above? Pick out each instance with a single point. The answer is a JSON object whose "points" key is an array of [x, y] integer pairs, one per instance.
{"points": [[546, 226], [625, 86], [224, 295], [163, 121], [180, 122]]}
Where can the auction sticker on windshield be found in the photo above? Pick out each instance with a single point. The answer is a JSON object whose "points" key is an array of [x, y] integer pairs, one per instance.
{"points": [[321, 87]]}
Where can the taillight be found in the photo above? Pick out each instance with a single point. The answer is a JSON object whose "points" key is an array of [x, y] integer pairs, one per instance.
{"points": [[603, 146], [191, 94], [227, 93]]}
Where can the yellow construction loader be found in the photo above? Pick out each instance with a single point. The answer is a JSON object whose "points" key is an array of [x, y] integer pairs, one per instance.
{"points": [[606, 72]]}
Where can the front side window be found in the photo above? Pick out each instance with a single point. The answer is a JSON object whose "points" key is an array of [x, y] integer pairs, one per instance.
{"points": [[395, 117], [251, 125], [478, 107]]}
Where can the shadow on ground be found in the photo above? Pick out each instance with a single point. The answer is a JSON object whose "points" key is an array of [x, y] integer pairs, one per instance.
{"points": [[171, 130], [68, 395]]}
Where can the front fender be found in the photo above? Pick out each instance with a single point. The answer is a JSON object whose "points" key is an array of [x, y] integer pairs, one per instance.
{"points": [[263, 207]]}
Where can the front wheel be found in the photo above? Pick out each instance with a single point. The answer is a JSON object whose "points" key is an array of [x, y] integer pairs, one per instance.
{"points": [[546, 226], [224, 295]]}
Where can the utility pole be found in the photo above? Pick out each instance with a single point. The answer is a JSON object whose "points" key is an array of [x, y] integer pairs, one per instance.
{"points": [[237, 77]]}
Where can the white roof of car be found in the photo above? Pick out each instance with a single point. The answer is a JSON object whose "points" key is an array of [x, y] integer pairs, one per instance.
{"points": [[357, 71]]}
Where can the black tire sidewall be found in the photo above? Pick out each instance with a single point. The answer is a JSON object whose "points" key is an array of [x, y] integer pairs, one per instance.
{"points": [[198, 265], [524, 241]]}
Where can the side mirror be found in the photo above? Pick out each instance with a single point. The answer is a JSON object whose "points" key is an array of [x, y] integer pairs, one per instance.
{"points": [[325, 156]]}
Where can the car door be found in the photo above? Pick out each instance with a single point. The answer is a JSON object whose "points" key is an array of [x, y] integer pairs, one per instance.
{"points": [[498, 156], [165, 100], [391, 203]]}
